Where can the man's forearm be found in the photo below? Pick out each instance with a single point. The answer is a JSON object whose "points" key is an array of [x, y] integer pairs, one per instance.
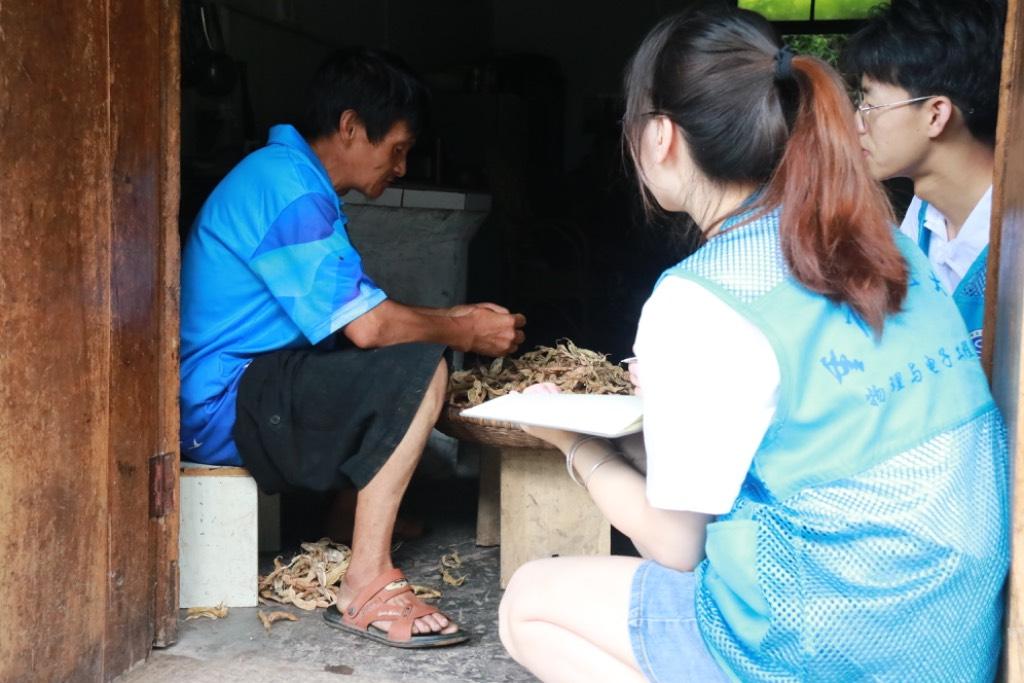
{"points": [[427, 310], [393, 323]]}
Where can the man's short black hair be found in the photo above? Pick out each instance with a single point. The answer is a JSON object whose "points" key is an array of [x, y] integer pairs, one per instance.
{"points": [[378, 86], [936, 47]]}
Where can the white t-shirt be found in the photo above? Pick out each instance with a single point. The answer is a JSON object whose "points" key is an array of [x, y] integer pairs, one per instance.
{"points": [[951, 259], [710, 384]]}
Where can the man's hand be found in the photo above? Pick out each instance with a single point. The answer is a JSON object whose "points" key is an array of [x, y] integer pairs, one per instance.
{"points": [[493, 330], [486, 328]]}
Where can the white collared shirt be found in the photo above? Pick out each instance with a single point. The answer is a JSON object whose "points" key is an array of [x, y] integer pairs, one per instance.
{"points": [[951, 259]]}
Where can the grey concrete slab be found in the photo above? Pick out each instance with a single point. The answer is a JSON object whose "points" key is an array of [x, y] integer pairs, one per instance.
{"points": [[237, 648]]}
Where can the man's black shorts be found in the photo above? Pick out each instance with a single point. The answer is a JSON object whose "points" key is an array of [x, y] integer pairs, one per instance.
{"points": [[314, 419]]}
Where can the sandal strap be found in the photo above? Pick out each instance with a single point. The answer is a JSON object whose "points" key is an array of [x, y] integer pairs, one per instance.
{"points": [[373, 604], [400, 629], [371, 589], [380, 608]]}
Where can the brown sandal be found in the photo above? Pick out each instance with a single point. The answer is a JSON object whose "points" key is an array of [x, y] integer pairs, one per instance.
{"points": [[373, 604]]}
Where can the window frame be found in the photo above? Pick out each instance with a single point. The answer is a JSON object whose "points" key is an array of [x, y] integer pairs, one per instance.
{"points": [[814, 26]]}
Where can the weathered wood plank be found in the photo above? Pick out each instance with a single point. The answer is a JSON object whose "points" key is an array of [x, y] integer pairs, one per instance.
{"points": [[54, 360], [543, 513], [488, 509], [1005, 308], [135, 101], [164, 530]]}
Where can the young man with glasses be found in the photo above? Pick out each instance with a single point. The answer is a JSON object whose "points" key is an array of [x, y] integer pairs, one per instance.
{"points": [[928, 75]]}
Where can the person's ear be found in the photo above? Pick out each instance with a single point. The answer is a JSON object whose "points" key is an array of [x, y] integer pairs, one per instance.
{"points": [[939, 111], [349, 125], [663, 137]]}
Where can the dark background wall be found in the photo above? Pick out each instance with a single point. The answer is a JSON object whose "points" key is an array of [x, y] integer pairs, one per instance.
{"points": [[527, 99]]}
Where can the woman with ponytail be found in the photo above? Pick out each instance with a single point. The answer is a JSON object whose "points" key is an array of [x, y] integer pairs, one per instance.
{"points": [[825, 490]]}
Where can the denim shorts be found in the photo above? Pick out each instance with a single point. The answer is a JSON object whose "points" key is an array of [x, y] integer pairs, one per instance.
{"points": [[663, 628]]}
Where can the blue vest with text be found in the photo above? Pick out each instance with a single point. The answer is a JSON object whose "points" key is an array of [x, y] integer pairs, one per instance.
{"points": [[870, 537], [970, 293]]}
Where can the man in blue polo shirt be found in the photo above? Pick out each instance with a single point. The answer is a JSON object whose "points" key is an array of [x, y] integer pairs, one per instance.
{"points": [[929, 80], [293, 362]]}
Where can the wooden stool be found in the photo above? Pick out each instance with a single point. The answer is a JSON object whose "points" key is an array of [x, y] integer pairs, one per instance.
{"points": [[531, 508]]}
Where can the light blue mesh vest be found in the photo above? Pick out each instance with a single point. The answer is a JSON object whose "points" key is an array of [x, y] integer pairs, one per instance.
{"points": [[870, 538], [969, 295]]}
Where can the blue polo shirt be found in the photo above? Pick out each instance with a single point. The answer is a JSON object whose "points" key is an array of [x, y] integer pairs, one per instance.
{"points": [[268, 265]]}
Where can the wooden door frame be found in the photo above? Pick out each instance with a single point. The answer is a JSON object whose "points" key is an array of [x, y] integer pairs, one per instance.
{"points": [[164, 526], [89, 367], [1004, 318]]}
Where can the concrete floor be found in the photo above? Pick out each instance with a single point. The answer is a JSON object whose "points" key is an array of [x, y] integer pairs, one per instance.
{"points": [[237, 648]]}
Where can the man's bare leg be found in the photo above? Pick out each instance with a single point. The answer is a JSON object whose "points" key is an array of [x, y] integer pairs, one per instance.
{"points": [[341, 520], [377, 507]]}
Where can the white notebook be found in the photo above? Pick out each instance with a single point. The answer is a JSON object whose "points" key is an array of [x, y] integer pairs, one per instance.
{"points": [[602, 415]]}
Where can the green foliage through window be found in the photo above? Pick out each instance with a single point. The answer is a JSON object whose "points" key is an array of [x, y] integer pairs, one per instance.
{"points": [[780, 10], [825, 47], [806, 10]]}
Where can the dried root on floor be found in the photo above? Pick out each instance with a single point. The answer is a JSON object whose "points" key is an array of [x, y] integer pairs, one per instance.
{"points": [[572, 369], [449, 562], [268, 618], [425, 592], [310, 580], [218, 612]]}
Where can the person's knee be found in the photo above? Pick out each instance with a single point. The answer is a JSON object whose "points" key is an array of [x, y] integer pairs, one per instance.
{"points": [[523, 602], [520, 602], [506, 626]]}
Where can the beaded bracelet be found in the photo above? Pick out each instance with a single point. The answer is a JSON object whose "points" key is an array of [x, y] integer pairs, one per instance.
{"points": [[570, 458]]}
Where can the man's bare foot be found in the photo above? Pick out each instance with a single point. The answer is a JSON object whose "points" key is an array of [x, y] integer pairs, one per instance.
{"points": [[431, 623]]}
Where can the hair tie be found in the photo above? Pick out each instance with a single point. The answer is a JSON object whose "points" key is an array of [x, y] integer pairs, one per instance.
{"points": [[784, 63]]}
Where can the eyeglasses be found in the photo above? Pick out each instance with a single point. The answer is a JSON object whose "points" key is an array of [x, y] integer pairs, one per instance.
{"points": [[864, 110]]}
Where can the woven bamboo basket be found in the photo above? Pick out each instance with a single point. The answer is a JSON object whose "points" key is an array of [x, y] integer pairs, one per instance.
{"points": [[486, 432]]}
